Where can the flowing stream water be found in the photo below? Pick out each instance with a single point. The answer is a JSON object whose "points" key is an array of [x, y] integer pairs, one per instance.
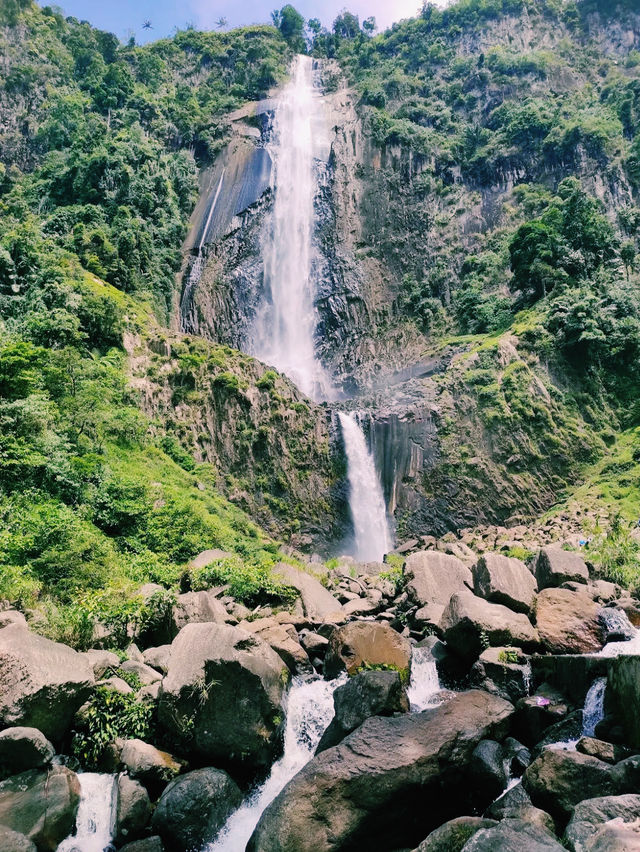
{"points": [[96, 814], [309, 711], [593, 711], [425, 683]]}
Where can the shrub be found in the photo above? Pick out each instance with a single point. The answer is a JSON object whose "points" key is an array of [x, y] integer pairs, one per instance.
{"points": [[109, 716]]}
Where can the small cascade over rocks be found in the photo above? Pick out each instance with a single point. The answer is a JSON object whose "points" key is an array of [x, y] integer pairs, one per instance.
{"points": [[309, 711], [593, 707], [96, 814], [366, 500], [425, 683]]}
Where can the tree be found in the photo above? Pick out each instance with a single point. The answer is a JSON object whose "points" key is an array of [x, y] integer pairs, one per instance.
{"points": [[369, 26], [347, 25], [291, 24], [534, 251]]}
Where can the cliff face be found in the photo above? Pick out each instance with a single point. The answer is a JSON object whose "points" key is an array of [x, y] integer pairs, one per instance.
{"points": [[465, 430]]}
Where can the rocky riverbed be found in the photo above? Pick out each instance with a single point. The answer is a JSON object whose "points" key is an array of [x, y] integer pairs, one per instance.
{"points": [[497, 757]]}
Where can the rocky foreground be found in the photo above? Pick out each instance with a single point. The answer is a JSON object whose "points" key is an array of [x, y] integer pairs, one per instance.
{"points": [[501, 759]]}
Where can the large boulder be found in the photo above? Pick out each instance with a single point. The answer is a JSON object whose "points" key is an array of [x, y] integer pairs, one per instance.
{"points": [[363, 643], [41, 805], [514, 835], [369, 693], [590, 814], [42, 683], [197, 608], [469, 622], [319, 605], [22, 749], [193, 809], [487, 771], [223, 695], [624, 687], [147, 763], [14, 841], [452, 836], [555, 566], [433, 577], [283, 639], [504, 671], [148, 844], [371, 790], [559, 779], [505, 580], [133, 810], [616, 836], [101, 661], [568, 622]]}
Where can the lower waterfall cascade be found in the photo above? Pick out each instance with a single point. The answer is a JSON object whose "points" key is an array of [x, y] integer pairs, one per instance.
{"points": [[96, 814]]}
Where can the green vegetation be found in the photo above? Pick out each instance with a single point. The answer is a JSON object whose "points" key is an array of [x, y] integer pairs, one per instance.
{"points": [[616, 555], [405, 674]]}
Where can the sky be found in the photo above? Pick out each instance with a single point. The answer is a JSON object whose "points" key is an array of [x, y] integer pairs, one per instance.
{"points": [[126, 17]]}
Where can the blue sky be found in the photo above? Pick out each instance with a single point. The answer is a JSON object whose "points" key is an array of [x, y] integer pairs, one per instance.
{"points": [[125, 18]]}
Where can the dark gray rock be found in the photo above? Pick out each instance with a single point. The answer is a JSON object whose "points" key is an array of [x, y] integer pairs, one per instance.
{"points": [[626, 775], [133, 810], [615, 625], [517, 756], [369, 693], [590, 814], [149, 844], [566, 730], [559, 779], [513, 799], [193, 809], [41, 805], [505, 580], [24, 748], [452, 836], [624, 687], [486, 769], [372, 788], [513, 835], [554, 566]]}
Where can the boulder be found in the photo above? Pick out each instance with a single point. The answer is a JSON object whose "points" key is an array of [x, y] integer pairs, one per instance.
{"points": [[568, 622], [504, 671], [369, 693], [319, 605], [487, 770], [616, 836], [284, 641], [197, 608], [371, 790], [514, 835], [608, 752], [554, 566], [158, 658], [24, 748], [133, 810], [41, 805], [559, 779], [624, 687], [14, 841], [626, 775], [314, 644], [615, 625], [193, 809], [223, 696], [505, 580], [538, 713], [366, 643], [42, 683], [590, 814], [517, 756], [469, 622], [511, 800], [10, 617], [149, 764], [433, 577], [145, 673], [149, 844], [116, 684], [101, 661], [207, 557], [452, 836]]}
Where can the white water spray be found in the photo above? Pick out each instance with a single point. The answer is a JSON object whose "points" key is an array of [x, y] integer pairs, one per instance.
{"points": [[284, 331], [96, 814], [366, 500], [593, 707], [425, 683], [309, 711]]}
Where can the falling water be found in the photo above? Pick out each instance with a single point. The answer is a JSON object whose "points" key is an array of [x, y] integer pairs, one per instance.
{"points": [[425, 683], [94, 823], [593, 707], [284, 331], [366, 500], [309, 711]]}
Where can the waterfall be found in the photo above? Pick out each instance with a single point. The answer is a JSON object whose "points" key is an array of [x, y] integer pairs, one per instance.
{"points": [[96, 814], [425, 683], [366, 500], [285, 327], [593, 707], [309, 711]]}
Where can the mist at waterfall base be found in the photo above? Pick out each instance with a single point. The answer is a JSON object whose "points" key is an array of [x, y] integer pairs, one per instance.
{"points": [[284, 330]]}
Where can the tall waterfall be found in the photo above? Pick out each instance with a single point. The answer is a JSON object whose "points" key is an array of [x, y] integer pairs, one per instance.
{"points": [[284, 331], [285, 328], [309, 711], [366, 500]]}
